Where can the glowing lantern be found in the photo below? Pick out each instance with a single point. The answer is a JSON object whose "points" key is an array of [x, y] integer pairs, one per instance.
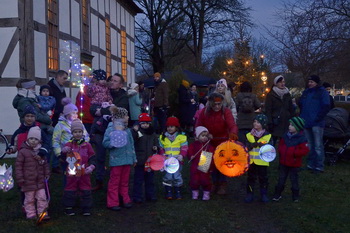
{"points": [[171, 165], [6, 179], [155, 163], [231, 158], [205, 161], [74, 168], [267, 153]]}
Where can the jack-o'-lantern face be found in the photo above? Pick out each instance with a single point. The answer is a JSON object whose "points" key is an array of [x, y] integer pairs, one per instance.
{"points": [[231, 158]]}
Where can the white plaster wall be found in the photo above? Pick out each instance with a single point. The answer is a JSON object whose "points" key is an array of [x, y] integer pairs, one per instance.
{"points": [[95, 61], [9, 118], [40, 54], [93, 4], [12, 67], [107, 6], [114, 40], [102, 33], [64, 24], [118, 15], [114, 66], [127, 22], [113, 11], [132, 26], [39, 11], [132, 52], [102, 62], [101, 6], [94, 30], [75, 19], [122, 16], [6, 36], [119, 47], [9, 9]]}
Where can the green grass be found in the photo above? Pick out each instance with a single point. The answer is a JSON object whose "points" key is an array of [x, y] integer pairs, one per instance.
{"points": [[324, 207]]}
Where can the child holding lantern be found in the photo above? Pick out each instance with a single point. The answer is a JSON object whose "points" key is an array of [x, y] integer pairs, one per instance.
{"points": [[256, 138], [31, 172], [200, 178], [80, 156], [173, 143]]}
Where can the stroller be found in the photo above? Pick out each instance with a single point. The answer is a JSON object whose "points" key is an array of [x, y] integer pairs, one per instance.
{"points": [[336, 132]]}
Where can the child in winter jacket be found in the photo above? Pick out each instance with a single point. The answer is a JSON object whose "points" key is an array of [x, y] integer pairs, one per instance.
{"points": [[81, 158], [31, 172], [118, 140], [292, 147], [200, 178], [47, 102], [257, 137], [146, 143], [62, 132], [173, 144]]}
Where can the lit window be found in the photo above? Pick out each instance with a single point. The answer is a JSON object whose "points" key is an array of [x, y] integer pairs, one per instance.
{"points": [[52, 21], [108, 48], [124, 57], [85, 24]]}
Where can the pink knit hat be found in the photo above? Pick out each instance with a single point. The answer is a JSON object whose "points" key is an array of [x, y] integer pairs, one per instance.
{"points": [[34, 132], [199, 130], [68, 106], [222, 81]]}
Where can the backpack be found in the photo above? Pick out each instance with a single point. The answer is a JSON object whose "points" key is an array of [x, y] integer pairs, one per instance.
{"points": [[247, 104]]}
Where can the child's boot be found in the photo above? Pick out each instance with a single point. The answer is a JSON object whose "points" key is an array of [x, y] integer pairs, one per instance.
{"points": [[278, 191], [168, 192], [206, 196], [178, 195], [296, 196], [263, 193], [195, 194]]}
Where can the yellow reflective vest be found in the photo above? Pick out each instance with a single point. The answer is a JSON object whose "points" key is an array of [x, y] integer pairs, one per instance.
{"points": [[172, 147], [254, 153]]}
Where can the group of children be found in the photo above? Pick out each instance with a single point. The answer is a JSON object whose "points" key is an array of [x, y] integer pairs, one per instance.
{"points": [[131, 147]]}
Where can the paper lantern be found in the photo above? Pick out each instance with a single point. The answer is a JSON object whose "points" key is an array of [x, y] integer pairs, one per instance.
{"points": [[231, 158], [119, 138], [6, 179], [267, 153], [205, 161], [74, 167], [171, 165]]}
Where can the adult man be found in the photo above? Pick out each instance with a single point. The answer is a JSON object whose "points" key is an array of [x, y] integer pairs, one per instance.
{"points": [[57, 87], [314, 106], [161, 102], [120, 97]]}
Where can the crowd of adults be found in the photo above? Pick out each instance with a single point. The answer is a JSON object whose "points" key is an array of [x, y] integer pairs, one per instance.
{"points": [[224, 115]]}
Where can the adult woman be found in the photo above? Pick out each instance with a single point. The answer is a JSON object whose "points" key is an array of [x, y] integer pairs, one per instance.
{"points": [[221, 125], [221, 88], [247, 104], [279, 108]]}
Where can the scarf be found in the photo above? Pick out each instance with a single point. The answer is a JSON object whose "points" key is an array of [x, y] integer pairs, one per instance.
{"points": [[61, 88], [171, 137], [37, 157], [280, 92], [256, 133], [26, 93]]}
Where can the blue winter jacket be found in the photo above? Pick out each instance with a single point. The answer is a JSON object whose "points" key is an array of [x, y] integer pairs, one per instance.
{"points": [[119, 156], [314, 105]]}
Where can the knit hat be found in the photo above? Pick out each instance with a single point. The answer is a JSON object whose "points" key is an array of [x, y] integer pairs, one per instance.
{"points": [[45, 87], [28, 84], [222, 81], [118, 112], [68, 106], [298, 123], [172, 121], [157, 75], [185, 83], [34, 132], [199, 130], [99, 74], [326, 85], [144, 117], [278, 79], [262, 119], [315, 78], [76, 125], [133, 85], [29, 109]]}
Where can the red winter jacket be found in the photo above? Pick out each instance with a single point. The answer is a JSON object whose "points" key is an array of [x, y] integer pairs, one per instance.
{"points": [[292, 149], [220, 124]]}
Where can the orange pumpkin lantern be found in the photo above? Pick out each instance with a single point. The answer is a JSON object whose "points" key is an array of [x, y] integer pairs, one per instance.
{"points": [[231, 158]]}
